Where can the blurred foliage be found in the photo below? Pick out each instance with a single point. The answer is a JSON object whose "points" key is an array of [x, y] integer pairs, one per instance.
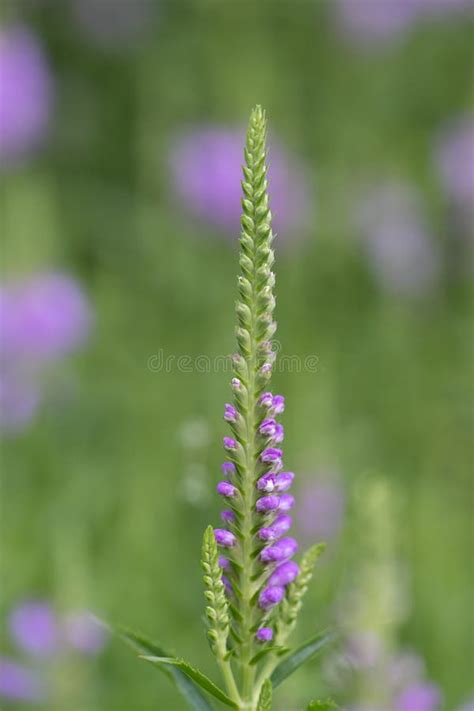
{"points": [[97, 507]]}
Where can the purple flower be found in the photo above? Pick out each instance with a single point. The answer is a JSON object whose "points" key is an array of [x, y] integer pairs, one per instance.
{"points": [[43, 318], [272, 455], [264, 634], [266, 482], [224, 488], [287, 501], [236, 384], [454, 156], [230, 444], [278, 404], [267, 503], [19, 402], [266, 400], [228, 468], [83, 632], [18, 683], [322, 509], [369, 22], [284, 480], [228, 516], [205, 166], [267, 427], [227, 584], [279, 433], [284, 574], [224, 563], [26, 94], [269, 597], [420, 696], [224, 538], [282, 549], [120, 26], [34, 628], [266, 368], [230, 413], [279, 527], [402, 254]]}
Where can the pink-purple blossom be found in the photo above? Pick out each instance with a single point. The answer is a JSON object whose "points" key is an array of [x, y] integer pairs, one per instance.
{"points": [[271, 596], [206, 166], [264, 634], [26, 94], [34, 628], [420, 696], [19, 683], [402, 254], [284, 574]]}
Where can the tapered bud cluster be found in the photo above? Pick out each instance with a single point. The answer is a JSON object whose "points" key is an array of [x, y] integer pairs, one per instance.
{"points": [[255, 521]]}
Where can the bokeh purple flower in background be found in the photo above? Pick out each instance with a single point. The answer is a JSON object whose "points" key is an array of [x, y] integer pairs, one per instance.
{"points": [[370, 22], [42, 319], [373, 23], [420, 696], [83, 632], [454, 157], [19, 401], [402, 255], [34, 628], [19, 683], [206, 171], [321, 507], [44, 636], [120, 24], [26, 94]]}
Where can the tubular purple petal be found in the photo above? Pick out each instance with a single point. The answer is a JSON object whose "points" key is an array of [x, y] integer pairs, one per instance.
{"points": [[279, 527], [272, 456], [269, 597], [223, 563], [284, 480], [228, 468], [287, 501], [285, 548], [264, 634], [236, 384], [266, 482], [228, 516], [279, 433], [266, 400], [224, 538], [230, 413], [268, 427], [267, 503], [278, 404], [230, 444], [226, 489], [284, 574], [227, 585]]}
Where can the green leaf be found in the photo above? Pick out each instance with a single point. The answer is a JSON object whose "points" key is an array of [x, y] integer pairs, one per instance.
{"points": [[265, 698], [187, 688], [307, 651], [194, 674], [322, 705]]}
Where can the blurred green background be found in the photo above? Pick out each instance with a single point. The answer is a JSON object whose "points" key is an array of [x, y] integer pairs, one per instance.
{"points": [[107, 488]]}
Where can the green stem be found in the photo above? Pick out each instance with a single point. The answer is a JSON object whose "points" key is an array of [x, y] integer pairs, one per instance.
{"points": [[228, 676]]}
